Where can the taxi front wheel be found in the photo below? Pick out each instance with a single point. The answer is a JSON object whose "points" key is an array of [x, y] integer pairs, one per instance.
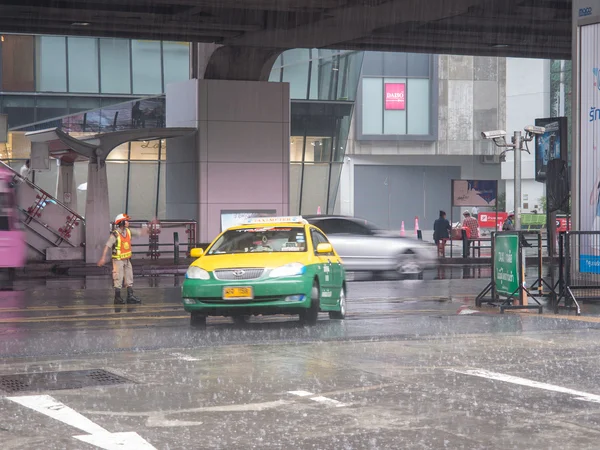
{"points": [[311, 315], [197, 320], [341, 314]]}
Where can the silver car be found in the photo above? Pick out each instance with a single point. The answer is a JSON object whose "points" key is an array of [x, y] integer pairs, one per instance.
{"points": [[365, 247]]}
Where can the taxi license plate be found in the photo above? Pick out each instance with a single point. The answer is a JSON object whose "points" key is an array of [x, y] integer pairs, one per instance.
{"points": [[239, 293]]}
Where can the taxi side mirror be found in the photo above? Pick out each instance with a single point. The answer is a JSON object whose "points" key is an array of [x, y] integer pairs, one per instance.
{"points": [[324, 248], [196, 252]]}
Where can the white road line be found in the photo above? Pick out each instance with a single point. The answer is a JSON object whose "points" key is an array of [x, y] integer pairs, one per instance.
{"points": [[98, 436], [184, 357], [328, 401], [301, 393], [117, 441], [318, 398], [579, 395], [50, 407]]}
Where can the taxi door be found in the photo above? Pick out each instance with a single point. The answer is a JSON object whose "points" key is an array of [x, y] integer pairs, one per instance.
{"points": [[331, 267]]}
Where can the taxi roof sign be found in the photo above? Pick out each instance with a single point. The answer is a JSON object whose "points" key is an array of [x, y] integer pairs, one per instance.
{"points": [[284, 219]]}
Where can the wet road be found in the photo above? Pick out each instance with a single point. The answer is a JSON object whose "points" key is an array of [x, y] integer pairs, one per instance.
{"points": [[415, 365]]}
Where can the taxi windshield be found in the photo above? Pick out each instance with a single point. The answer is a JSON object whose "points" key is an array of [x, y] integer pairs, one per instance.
{"points": [[260, 240]]}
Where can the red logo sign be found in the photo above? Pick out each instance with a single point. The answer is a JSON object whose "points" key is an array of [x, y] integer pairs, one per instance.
{"points": [[395, 96], [489, 219], [561, 224]]}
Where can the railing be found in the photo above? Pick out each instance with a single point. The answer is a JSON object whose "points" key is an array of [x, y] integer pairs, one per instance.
{"points": [[54, 231], [164, 238]]}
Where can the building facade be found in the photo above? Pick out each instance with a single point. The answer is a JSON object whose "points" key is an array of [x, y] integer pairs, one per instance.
{"points": [[406, 155], [392, 126]]}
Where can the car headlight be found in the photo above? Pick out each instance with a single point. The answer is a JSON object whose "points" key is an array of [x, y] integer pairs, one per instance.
{"points": [[289, 270], [196, 273]]}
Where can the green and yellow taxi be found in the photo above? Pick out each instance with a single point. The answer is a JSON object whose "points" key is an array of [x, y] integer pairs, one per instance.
{"points": [[267, 265]]}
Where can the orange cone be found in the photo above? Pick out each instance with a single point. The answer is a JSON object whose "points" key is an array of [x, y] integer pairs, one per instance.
{"points": [[318, 210], [416, 225], [402, 231]]}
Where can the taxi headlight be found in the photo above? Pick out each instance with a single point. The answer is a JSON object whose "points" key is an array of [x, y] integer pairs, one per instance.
{"points": [[196, 273], [289, 270]]}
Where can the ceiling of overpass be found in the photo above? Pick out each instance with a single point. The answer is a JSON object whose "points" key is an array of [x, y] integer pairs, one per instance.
{"points": [[527, 28]]}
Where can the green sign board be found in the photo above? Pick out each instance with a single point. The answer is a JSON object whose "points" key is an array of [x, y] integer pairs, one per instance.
{"points": [[506, 264]]}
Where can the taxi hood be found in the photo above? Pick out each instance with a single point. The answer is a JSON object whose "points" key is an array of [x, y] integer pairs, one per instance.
{"points": [[258, 259]]}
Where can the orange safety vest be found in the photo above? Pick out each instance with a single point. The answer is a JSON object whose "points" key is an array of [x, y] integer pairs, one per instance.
{"points": [[122, 249]]}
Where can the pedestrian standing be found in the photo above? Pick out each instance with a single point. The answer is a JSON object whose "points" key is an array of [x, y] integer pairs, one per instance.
{"points": [[119, 243], [441, 233], [471, 224]]}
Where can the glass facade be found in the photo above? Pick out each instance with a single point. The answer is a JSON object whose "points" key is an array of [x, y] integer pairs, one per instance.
{"points": [[323, 85], [111, 93], [74, 74], [395, 96]]}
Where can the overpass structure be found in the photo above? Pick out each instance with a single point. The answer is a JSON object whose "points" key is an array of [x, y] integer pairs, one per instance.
{"points": [[252, 29]]}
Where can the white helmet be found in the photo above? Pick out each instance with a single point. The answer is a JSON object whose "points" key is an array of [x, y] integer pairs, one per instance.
{"points": [[121, 218]]}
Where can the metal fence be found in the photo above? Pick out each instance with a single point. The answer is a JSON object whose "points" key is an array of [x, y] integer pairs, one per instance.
{"points": [[165, 238], [579, 269]]}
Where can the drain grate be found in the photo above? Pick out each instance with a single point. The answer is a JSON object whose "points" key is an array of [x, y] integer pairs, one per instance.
{"points": [[53, 381]]}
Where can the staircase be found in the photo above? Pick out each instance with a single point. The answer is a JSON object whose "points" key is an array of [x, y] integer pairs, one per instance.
{"points": [[53, 231]]}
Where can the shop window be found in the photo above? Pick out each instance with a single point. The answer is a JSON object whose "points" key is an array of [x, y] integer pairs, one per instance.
{"points": [[176, 61], [418, 103], [51, 64], [146, 64], [115, 66], [17, 64], [372, 106], [83, 64]]}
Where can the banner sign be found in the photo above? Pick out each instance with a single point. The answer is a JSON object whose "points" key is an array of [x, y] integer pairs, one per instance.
{"points": [[395, 96], [480, 193], [550, 145], [589, 122], [506, 264], [489, 219]]}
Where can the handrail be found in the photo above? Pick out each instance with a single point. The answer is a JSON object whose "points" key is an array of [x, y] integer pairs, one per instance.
{"points": [[39, 189]]}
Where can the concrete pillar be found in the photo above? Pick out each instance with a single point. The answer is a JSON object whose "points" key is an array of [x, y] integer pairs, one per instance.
{"points": [[241, 150], [97, 219], [66, 189]]}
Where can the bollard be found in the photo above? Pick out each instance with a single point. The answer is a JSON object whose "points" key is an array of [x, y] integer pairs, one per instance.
{"points": [[419, 235], [176, 247]]}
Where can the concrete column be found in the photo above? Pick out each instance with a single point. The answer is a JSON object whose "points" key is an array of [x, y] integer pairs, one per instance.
{"points": [[97, 219], [241, 150], [66, 189]]}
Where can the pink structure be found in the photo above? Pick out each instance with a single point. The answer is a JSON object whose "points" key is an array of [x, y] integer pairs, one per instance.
{"points": [[13, 247]]}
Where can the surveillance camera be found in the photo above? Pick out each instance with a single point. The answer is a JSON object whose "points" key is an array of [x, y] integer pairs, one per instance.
{"points": [[493, 134], [535, 130]]}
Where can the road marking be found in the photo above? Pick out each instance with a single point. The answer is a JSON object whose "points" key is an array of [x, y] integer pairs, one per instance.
{"points": [[97, 436], [317, 398], [301, 393], [579, 395], [116, 441], [328, 401], [184, 357]]}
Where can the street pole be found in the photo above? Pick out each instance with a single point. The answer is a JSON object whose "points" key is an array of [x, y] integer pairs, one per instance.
{"points": [[517, 141]]}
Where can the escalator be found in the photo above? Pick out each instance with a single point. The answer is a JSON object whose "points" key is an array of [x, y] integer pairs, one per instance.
{"points": [[54, 232]]}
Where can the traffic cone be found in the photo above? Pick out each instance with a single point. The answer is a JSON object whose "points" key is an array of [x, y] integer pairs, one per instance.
{"points": [[416, 225], [318, 210], [402, 231]]}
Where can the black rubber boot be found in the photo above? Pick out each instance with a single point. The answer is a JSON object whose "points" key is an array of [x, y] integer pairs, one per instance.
{"points": [[118, 299], [132, 298]]}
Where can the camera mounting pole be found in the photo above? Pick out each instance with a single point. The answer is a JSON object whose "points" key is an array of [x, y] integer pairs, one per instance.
{"points": [[517, 146]]}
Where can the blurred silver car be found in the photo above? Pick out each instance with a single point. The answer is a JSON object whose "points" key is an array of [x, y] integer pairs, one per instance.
{"points": [[365, 247]]}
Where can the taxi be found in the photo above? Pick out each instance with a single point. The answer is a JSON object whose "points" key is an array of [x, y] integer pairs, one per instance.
{"points": [[267, 265]]}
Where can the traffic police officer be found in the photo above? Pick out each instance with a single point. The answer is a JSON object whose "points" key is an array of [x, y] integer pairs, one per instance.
{"points": [[120, 244]]}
